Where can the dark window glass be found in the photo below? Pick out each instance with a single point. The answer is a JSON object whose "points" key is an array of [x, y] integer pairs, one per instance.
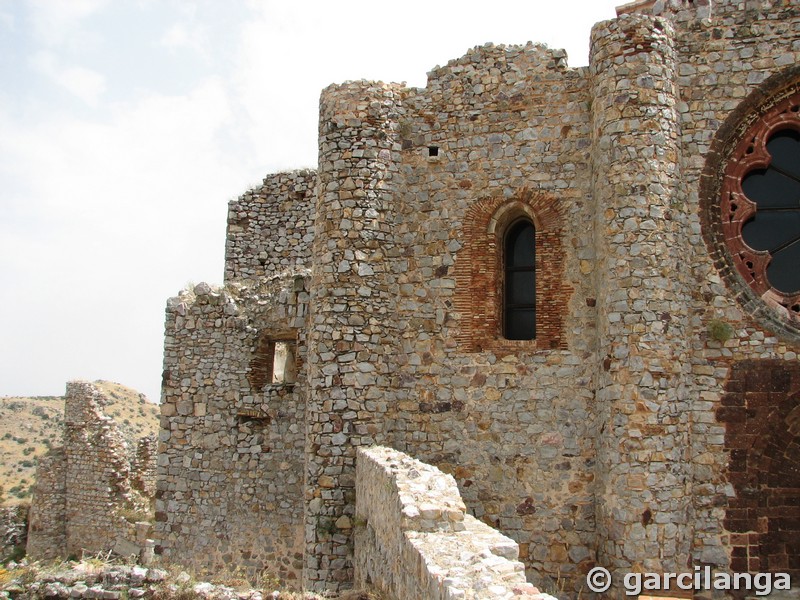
{"points": [[520, 282], [775, 227]]}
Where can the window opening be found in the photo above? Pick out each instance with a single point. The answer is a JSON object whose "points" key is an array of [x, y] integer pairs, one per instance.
{"points": [[519, 300], [775, 225], [283, 365], [760, 209]]}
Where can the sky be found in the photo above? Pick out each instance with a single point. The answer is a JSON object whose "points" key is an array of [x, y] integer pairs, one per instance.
{"points": [[126, 126]]}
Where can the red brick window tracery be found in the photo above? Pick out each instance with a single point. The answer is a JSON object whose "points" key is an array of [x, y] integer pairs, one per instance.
{"points": [[760, 207]]}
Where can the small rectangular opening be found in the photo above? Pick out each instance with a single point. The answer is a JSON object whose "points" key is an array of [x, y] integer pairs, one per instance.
{"points": [[433, 150], [283, 366]]}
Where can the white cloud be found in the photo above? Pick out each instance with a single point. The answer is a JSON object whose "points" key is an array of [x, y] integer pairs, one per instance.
{"points": [[112, 218], [57, 21], [182, 36], [86, 84], [7, 19]]}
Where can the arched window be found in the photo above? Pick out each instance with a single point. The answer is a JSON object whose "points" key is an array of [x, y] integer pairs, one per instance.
{"points": [[502, 302], [519, 298]]}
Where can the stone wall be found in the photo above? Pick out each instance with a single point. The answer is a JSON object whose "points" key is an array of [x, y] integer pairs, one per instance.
{"points": [[83, 491], [642, 298], [511, 420], [352, 312], [231, 447], [602, 441], [143, 467], [271, 228], [47, 528], [13, 529], [414, 538], [757, 43]]}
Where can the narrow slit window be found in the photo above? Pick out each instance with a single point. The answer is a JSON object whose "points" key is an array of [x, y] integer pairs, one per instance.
{"points": [[519, 298]]}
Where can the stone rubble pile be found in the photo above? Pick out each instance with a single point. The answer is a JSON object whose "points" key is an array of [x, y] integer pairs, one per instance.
{"points": [[119, 582]]}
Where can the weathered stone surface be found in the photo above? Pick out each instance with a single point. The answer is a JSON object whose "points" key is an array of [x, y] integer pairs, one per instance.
{"points": [[13, 529], [597, 442], [415, 540], [85, 489], [230, 463]]}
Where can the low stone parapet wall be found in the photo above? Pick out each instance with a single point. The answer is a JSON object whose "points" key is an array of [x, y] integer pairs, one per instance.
{"points": [[414, 538]]}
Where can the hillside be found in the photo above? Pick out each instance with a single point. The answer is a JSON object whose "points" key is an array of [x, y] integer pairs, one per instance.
{"points": [[30, 426]]}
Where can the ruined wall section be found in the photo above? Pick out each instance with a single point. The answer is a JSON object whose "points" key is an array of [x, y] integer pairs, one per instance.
{"points": [[47, 519], [510, 125], [83, 496], [230, 466], [143, 467], [13, 530], [271, 228], [98, 469], [415, 540]]}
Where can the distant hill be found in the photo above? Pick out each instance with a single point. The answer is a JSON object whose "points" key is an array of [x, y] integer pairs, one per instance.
{"points": [[30, 426]]}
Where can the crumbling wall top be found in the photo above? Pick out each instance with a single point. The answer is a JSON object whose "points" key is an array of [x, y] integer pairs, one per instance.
{"points": [[660, 7], [502, 70], [271, 227]]}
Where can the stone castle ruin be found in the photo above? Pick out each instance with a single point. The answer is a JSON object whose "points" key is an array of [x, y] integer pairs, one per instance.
{"points": [[575, 290], [91, 491]]}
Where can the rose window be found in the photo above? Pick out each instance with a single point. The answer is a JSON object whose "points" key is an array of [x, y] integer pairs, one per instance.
{"points": [[761, 207]]}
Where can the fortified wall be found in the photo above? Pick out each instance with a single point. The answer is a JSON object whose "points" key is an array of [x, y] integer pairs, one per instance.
{"points": [[89, 490], [556, 284]]}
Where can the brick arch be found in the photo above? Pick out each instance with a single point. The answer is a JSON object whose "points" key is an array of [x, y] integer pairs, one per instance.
{"points": [[479, 271], [722, 211]]}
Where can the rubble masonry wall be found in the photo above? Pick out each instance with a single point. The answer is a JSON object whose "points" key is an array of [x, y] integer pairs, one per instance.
{"points": [[598, 442], [414, 538], [83, 492], [230, 465]]}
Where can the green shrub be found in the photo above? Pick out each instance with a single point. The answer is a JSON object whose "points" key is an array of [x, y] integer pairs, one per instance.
{"points": [[719, 330]]}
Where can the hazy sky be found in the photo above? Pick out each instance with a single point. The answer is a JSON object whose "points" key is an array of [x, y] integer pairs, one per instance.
{"points": [[127, 125]]}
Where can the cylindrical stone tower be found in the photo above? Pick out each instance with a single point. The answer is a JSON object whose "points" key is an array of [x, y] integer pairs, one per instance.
{"points": [[352, 342], [643, 471]]}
